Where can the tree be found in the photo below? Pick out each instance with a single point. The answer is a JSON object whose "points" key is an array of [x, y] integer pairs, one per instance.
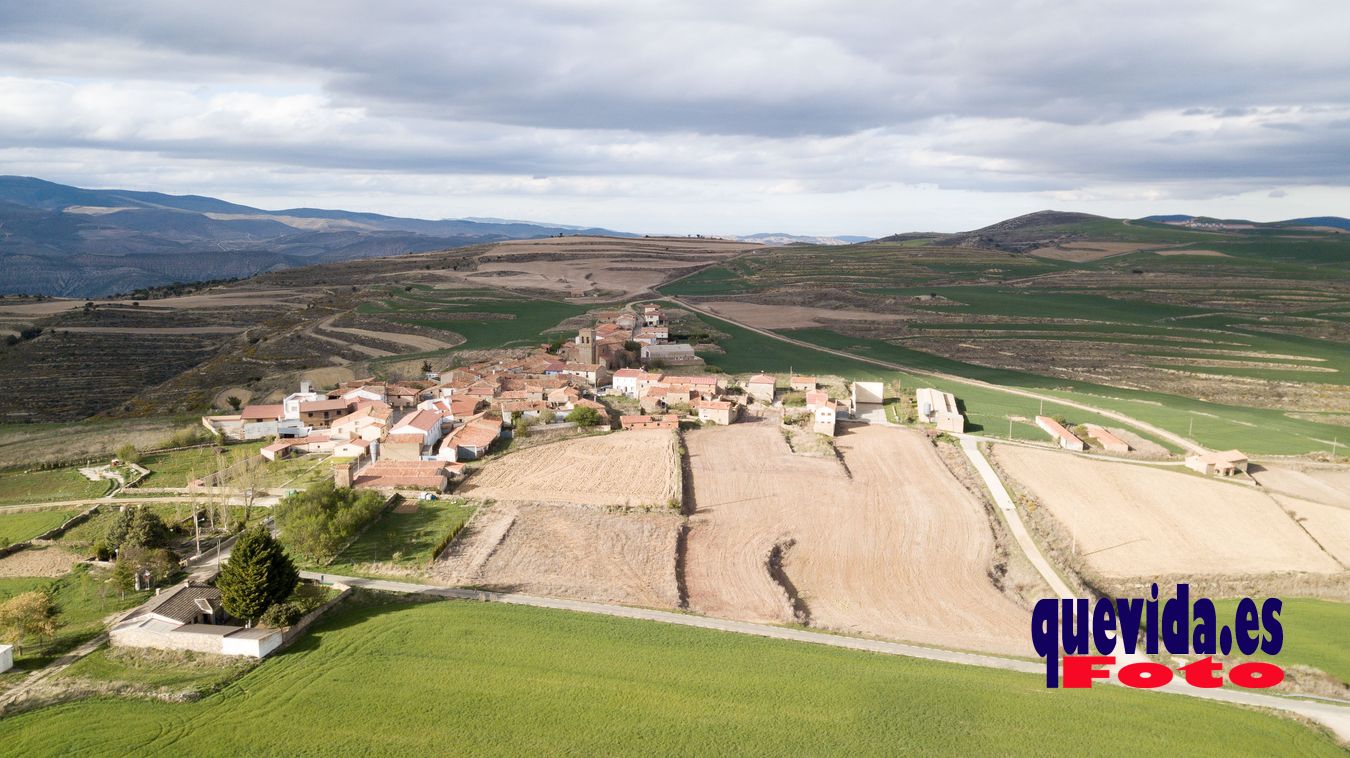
{"points": [[585, 416], [145, 529], [258, 575], [426, 367], [161, 563], [29, 614], [320, 521], [234, 401]]}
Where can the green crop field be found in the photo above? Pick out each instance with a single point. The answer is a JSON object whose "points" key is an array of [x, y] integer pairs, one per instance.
{"points": [[485, 318], [45, 486], [17, 527], [178, 467], [1314, 634], [405, 540], [382, 677]]}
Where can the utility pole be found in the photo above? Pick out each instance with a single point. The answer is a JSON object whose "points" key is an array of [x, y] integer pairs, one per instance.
{"points": [[1010, 428], [1042, 406], [1190, 429]]}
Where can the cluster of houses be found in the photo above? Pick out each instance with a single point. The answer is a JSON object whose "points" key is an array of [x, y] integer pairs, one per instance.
{"points": [[607, 344], [415, 434]]}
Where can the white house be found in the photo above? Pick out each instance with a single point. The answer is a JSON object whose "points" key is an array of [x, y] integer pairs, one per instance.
{"points": [[628, 380], [823, 418], [760, 387], [291, 405], [188, 617], [6, 658], [425, 423]]}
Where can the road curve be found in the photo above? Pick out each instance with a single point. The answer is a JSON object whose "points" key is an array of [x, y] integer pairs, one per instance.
{"points": [[1334, 717], [1159, 432]]}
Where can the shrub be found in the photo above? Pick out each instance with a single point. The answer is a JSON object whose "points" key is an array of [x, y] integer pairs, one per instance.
{"points": [[128, 453], [136, 527], [585, 416], [281, 614], [161, 563]]}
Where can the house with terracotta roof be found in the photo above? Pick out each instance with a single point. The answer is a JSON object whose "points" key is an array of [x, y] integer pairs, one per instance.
{"points": [[1222, 463], [1109, 441], [715, 411], [802, 383], [424, 422], [668, 421], [760, 387], [321, 413], [471, 440], [369, 421], [387, 475]]}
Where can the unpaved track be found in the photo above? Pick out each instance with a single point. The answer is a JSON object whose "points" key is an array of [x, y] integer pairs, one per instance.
{"points": [[900, 550], [1140, 521]]}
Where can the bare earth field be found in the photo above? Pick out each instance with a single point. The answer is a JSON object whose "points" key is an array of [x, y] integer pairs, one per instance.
{"points": [[1136, 521], [638, 468], [790, 316], [38, 561], [1323, 485], [1083, 252], [898, 550], [414, 341], [1203, 253], [569, 551], [578, 266], [1328, 524]]}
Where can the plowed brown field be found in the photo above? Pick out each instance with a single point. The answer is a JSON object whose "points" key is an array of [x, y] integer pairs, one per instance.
{"points": [[898, 550]]}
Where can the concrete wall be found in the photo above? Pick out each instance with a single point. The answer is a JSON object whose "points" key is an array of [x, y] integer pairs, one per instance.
{"points": [[6, 658], [201, 643], [250, 647]]}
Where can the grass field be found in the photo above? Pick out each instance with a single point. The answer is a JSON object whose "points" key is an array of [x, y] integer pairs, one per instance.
{"points": [[45, 486], [82, 598], [1314, 634], [484, 323], [177, 468], [157, 669], [17, 527], [1213, 425], [404, 540], [384, 678]]}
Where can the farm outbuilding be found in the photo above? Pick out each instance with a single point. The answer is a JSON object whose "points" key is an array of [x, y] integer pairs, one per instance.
{"points": [[866, 394], [1223, 463], [939, 408], [1109, 441], [1062, 437]]}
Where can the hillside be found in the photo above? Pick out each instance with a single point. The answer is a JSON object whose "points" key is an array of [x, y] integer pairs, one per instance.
{"points": [[73, 242]]}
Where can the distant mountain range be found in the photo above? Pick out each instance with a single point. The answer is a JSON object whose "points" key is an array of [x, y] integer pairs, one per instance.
{"points": [[782, 238], [67, 241], [1325, 222]]}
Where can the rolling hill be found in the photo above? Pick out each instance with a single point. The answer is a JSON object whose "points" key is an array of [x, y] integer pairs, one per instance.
{"points": [[73, 242]]}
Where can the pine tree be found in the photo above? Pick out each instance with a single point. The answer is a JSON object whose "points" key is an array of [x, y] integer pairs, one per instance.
{"points": [[258, 574]]}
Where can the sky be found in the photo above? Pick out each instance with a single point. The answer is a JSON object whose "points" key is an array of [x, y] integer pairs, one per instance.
{"points": [[821, 118]]}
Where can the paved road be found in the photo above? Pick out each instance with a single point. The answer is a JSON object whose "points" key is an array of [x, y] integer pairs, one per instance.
{"points": [[1159, 432], [1334, 717]]}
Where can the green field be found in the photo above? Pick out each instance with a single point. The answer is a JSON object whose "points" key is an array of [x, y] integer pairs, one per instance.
{"points": [[17, 527], [404, 540], [177, 468], [18, 487], [1315, 634], [157, 669], [384, 677], [509, 322]]}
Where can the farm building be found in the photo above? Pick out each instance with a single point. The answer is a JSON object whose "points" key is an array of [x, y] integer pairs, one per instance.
{"points": [[760, 387], [1223, 463], [866, 394], [6, 658], [1063, 437], [715, 411], [668, 421], [802, 383], [188, 617], [471, 441], [671, 354], [939, 408], [1108, 441], [358, 449]]}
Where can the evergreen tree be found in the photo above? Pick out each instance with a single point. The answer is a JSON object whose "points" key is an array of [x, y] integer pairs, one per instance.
{"points": [[258, 574]]}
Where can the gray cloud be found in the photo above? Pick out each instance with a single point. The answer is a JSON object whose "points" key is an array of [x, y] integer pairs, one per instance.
{"points": [[1021, 97]]}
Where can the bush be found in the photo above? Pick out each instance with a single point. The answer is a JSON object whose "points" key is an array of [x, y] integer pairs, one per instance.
{"points": [[585, 416], [281, 614], [161, 563], [136, 527], [128, 453]]}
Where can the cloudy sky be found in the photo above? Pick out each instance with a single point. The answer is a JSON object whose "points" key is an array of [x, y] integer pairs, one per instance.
{"points": [[823, 117]]}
